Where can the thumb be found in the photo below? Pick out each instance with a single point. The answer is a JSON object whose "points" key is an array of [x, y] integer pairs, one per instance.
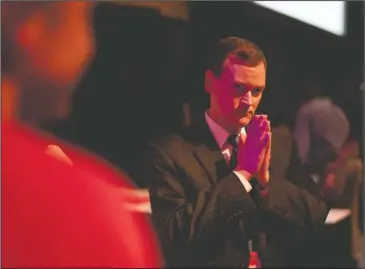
{"points": [[266, 162], [269, 141], [266, 141]]}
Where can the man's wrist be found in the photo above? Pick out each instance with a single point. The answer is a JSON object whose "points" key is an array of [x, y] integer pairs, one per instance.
{"points": [[262, 186], [263, 181], [242, 178]]}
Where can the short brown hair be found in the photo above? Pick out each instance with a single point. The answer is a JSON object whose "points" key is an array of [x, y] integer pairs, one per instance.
{"points": [[242, 48]]}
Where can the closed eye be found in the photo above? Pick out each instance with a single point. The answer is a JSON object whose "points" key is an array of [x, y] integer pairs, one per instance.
{"points": [[240, 87], [257, 91]]}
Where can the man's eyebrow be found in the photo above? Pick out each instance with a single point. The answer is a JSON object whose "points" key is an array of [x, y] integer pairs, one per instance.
{"points": [[250, 85]]}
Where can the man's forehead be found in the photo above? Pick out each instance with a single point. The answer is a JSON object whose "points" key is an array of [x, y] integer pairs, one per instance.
{"points": [[241, 72]]}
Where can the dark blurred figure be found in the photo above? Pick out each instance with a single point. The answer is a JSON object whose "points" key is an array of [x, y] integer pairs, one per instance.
{"points": [[360, 205], [332, 157], [55, 214], [350, 98], [341, 244], [360, 224], [321, 127]]}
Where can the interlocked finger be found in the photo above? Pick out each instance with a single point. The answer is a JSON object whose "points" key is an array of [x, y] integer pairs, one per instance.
{"points": [[265, 128], [254, 125]]}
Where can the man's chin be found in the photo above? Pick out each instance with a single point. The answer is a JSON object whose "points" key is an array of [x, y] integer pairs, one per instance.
{"points": [[243, 122]]}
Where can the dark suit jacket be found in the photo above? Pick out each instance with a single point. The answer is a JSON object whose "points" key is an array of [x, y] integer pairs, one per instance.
{"points": [[282, 152], [335, 244], [203, 214]]}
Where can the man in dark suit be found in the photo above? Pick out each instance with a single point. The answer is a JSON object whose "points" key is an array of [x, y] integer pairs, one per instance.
{"points": [[210, 191]]}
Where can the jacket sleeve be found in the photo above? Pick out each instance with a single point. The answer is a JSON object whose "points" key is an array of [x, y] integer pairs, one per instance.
{"points": [[295, 206], [188, 220]]}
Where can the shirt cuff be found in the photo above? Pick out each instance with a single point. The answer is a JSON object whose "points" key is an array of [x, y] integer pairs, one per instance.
{"points": [[246, 184]]}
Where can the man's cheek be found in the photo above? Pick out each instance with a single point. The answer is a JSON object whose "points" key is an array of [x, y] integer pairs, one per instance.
{"points": [[228, 105], [236, 103], [256, 103]]}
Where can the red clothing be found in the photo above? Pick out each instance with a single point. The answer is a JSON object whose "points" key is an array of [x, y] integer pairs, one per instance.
{"points": [[57, 215]]}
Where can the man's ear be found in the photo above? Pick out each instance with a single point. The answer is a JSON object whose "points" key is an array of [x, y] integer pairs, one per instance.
{"points": [[209, 81]]}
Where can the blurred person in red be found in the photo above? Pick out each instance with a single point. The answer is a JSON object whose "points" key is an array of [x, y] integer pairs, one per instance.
{"points": [[55, 214]]}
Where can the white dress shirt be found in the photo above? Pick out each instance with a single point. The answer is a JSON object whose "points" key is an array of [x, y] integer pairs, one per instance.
{"points": [[221, 135]]}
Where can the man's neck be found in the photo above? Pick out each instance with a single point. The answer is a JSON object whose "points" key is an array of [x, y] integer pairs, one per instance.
{"points": [[221, 122], [9, 99]]}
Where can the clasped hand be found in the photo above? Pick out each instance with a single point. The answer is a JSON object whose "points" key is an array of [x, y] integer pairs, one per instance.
{"points": [[254, 150]]}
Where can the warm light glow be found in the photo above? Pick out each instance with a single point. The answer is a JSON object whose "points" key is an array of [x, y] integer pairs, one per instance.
{"points": [[326, 15]]}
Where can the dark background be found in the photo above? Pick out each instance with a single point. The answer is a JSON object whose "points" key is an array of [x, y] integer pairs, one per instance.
{"points": [[147, 65]]}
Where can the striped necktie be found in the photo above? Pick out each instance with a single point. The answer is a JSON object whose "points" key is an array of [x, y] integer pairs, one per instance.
{"points": [[232, 140]]}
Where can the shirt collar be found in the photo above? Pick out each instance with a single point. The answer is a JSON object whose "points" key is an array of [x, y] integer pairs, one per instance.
{"points": [[219, 133]]}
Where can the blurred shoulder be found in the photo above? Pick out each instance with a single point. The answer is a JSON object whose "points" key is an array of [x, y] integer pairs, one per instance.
{"points": [[282, 137], [172, 142]]}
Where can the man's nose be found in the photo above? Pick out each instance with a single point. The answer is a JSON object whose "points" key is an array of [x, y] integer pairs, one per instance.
{"points": [[247, 99]]}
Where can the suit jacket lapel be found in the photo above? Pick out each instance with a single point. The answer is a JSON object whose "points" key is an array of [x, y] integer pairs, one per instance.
{"points": [[209, 156], [207, 152]]}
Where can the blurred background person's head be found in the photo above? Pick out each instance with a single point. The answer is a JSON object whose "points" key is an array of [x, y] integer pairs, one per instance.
{"points": [[45, 48], [235, 79]]}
